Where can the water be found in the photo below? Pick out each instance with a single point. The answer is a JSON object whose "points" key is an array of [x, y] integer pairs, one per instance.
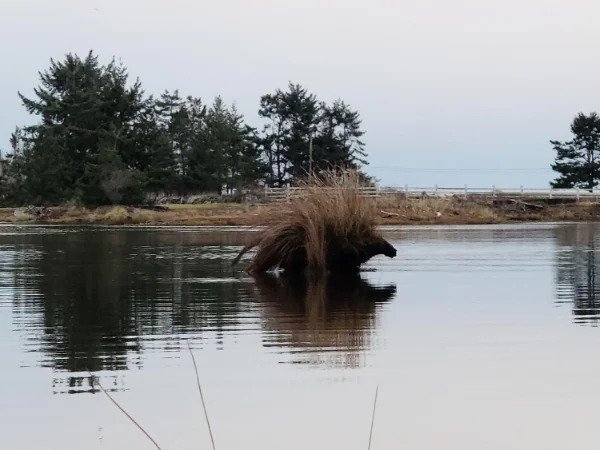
{"points": [[478, 337]]}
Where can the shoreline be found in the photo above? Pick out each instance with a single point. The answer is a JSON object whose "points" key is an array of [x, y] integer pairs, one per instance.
{"points": [[425, 211]]}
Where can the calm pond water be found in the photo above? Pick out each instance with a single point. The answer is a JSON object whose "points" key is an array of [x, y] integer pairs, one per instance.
{"points": [[479, 337]]}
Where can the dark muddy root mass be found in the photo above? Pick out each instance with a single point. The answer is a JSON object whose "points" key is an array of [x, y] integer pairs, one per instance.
{"points": [[342, 257]]}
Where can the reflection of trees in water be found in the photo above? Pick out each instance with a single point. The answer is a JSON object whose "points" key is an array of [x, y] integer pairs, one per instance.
{"points": [[324, 321], [89, 301], [94, 300], [577, 278]]}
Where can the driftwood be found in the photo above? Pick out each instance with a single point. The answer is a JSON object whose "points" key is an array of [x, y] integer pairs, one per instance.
{"points": [[34, 212], [518, 204]]}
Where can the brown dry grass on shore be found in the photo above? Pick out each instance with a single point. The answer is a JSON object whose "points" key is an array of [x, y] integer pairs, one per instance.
{"points": [[460, 210], [210, 214], [391, 210]]}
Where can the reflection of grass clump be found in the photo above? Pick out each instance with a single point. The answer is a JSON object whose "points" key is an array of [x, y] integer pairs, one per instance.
{"points": [[337, 312]]}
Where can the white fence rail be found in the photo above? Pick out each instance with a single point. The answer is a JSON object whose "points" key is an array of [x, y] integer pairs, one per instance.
{"points": [[439, 191], [287, 192]]}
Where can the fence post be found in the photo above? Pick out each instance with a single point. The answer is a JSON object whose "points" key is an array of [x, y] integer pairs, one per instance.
{"points": [[577, 193], [521, 189], [466, 190], [436, 190], [493, 190], [550, 193], [406, 190]]}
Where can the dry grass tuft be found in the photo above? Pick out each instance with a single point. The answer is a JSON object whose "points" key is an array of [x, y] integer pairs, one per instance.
{"points": [[328, 218]]}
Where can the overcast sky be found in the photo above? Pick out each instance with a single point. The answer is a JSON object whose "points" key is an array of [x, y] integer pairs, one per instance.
{"points": [[450, 92]]}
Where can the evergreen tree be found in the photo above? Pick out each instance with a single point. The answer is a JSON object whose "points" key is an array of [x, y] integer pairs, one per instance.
{"points": [[304, 116], [274, 110], [172, 142], [38, 176], [294, 119], [86, 110], [185, 129], [234, 158], [100, 140], [577, 160], [245, 162], [338, 144], [213, 147], [152, 152]]}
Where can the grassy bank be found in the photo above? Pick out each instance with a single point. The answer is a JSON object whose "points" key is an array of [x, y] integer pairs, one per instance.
{"points": [[391, 211]]}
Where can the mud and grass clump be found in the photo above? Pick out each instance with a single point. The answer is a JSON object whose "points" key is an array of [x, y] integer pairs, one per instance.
{"points": [[328, 227]]}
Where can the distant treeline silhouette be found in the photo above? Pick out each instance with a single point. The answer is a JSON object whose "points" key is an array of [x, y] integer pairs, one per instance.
{"points": [[100, 139]]}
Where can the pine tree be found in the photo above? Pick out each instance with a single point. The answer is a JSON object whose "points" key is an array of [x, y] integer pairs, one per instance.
{"points": [[339, 143], [186, 127], [86, 111], [273, 109], [577, 161], [152, 150], [294, 119], [304, 116], [224, 155], [245, 163], [232, 143]]}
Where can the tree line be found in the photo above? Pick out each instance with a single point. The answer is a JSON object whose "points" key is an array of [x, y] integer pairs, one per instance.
{"points": [[100, 139]]}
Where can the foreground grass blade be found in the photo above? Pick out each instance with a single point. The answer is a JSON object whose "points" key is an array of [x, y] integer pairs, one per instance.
{"points": [[97, 383], [373, 417], [212, 440]]}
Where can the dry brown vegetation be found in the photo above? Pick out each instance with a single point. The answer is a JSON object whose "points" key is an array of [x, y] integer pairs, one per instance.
{"points": [[390, 210], [208, 214], [325, 226], [396, 210]]}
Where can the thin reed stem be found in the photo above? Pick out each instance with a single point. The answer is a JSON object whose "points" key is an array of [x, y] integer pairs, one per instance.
{"points": [[97, 383], [373, 417], [212, 440]]}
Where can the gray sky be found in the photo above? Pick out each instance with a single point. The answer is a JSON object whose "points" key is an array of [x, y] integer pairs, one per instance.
{"points": [[453, 87]]}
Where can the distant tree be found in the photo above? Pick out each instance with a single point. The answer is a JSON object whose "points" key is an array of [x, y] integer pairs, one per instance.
{"points": [[151, 150], [339, 143], [577, 161], [185, 130], [230, 147], [303, 119], [246, 166], [273, 109], [86, 113], [36, 176], [294, 119]]}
